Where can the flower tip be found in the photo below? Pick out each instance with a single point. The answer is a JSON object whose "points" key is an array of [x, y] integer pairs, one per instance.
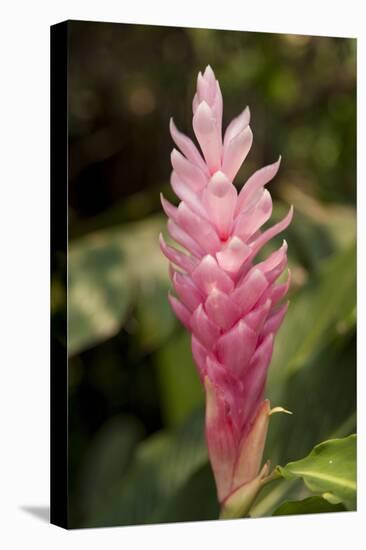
{"points": [[175, 156], [200, 79], [208, 73], [203, 119], [275, 166], [288, 218], [162, 199]]}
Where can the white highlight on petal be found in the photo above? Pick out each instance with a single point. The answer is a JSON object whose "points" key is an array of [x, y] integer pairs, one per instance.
{"points": [[220, 198], [235, 152], [233, 255], [207, 132]]}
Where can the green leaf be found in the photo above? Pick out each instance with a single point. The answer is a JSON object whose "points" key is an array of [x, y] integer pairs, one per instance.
{"points": [[99, 290], [106, 460], [329, 468], [311, 505], [318, 414], [315, 345], [310, 321], [158, 472], [195, 501], [180, 388], [109, 272]]}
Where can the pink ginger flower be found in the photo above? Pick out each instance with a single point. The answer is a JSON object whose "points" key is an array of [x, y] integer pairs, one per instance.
{"points": [[230, 304]]}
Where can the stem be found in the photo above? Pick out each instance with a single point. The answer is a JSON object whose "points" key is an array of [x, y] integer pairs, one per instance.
{"points": [[238, 504]]}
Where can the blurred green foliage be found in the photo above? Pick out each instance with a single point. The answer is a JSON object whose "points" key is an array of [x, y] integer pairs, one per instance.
{"points": [[137, 452]]}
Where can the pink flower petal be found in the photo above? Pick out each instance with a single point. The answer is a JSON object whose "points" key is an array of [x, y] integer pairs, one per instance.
{"points": [[248, 222], [208, 275], [220, 437], [237, 125], [221, 309], [252, 447], [183, 261], [258, 180], [220, 200], [181, 311], [186, 194], [200, 355], [272, 232], [274, 321], [187, 290], [257, 317], [187, 172], [198, 228], [207, 132], [233, 255], [250, 290], [187, 147], [228, 382], [203, 328], [182, 238], [170, 210], [205, 88], [255, 377], [279, 291], [273, 266], [217, 108], [235, 348], [235, 152]]}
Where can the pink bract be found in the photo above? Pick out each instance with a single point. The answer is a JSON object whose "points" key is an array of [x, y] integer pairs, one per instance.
{"points": [[230, 304]]}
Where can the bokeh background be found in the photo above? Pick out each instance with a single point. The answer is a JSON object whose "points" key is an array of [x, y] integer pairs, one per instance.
{"points": [[136, 447]]}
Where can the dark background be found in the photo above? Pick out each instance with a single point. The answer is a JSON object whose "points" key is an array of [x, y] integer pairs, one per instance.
{"points": [[135, 424]]}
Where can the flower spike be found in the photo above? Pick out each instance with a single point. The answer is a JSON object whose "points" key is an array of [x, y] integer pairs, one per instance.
{"points": [[230, 303]]}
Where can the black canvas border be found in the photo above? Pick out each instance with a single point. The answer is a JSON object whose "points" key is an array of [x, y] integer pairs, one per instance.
{"points": [[59, 238]]}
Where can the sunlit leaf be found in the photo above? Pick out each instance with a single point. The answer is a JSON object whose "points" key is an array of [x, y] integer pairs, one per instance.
{"points": [[330, 468]]}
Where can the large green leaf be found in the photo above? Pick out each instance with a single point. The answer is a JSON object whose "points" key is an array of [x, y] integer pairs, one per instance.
{"points": [[158, 472], [310, 505], [106, 460], [109, 271], [181, 390], [330, 469], [318, 413], [319, 312], [314, 349]]}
